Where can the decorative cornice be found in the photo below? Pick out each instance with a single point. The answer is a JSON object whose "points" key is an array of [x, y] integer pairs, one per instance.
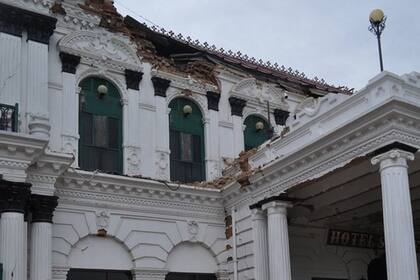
{"points": [[69, 62], [14, 20], [43, 207], [132, 79], [160, 85], [281, 116], [149, 274], [237, 106], [213, 100], [14, 196]]}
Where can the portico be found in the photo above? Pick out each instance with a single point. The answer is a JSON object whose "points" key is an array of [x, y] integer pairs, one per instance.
{"points": [[346, 164]]}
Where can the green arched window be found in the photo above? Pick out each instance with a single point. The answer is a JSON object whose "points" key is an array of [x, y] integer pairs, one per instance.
{"points": [[100, 126], [186, 141], [256, 131]]}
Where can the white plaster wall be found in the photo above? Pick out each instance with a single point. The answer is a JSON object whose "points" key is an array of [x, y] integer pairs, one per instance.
{"points": [[148, 239], [190, 257]]}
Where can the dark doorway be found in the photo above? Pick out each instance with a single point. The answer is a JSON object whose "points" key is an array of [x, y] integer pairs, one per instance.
{"points": [[189, 276], [377, 269], [95, 274]]}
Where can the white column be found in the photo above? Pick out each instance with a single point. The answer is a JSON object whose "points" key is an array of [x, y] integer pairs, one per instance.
{"points": [[132, 136], [162, 138], [37, 86], [278, 240], [70, 115], [400, 247], [42, 207], [211, 128], [259, 233], [41, 251], [12, 246], [238, 135]]}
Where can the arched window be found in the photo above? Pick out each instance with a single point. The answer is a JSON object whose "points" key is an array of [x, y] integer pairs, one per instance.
{"points": [[186, 141], [100, 126], [256, 131]]}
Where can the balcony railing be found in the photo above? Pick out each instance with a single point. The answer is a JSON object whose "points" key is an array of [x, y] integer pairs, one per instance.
{"points": [[9, 117]]}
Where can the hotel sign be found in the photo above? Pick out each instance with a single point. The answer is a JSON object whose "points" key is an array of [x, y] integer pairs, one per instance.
{"points": [[355, 239]]}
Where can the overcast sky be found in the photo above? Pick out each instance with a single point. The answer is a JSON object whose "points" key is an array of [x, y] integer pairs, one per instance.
{"points": [[324, 38]]}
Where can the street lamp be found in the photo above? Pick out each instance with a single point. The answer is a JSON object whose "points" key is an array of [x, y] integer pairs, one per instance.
{"points": [[377, 20]]}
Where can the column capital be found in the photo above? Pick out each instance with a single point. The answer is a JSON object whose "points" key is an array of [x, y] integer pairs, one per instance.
{"points": [[394, 157], [133, 78], [14, 196], [280, 116], [149, 274], [258, 214], [277, 207], [161, 85], [42, 207], [213, 100], [69, 62], [237, 106]]}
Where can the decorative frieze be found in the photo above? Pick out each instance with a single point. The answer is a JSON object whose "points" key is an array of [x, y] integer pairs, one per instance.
{"points": [[237, 106], [161, 86], [213, 100], [14, 20], [132, 79], [14, 196], [43, 207], [69, 62]]}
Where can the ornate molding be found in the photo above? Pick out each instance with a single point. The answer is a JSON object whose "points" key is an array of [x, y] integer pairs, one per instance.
{"points": [[213, 100], [149, 274], [132, 79], [102, 49], [69, 62], [14, 20], [160, 85], [42, 207], [14, 197], [237, 106]]}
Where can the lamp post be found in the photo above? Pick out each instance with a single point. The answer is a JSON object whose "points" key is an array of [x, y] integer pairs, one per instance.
{"points": [[377, 20]]}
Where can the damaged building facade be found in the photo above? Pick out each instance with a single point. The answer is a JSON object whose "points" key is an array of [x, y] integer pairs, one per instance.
{"points": [[129, 152]]}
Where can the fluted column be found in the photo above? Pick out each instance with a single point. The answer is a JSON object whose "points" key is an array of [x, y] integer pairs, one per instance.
{"points": [[13, 201], [259, 233], [237, 106], [400, 247], [41, 242], [278, 240]]}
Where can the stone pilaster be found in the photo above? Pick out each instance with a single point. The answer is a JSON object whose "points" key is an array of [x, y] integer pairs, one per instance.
{"points": [[398, 218], [13, 202], [259, 233], [278, 240], [41, 242]]}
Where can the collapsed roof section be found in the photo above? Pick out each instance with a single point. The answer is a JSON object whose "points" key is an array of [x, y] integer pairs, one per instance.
{"points": [[167, 51]]}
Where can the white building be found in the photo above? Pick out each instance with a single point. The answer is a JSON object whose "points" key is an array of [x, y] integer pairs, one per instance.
{"points": [[119, 155]]}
